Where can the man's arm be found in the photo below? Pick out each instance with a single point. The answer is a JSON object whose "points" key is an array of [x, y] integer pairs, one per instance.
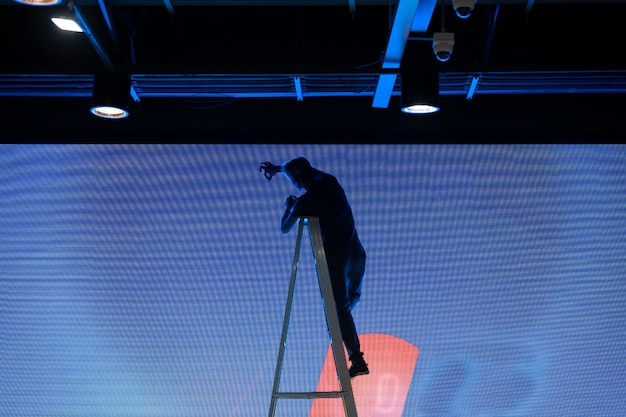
{"points": [[288, 220], [269, 170]]}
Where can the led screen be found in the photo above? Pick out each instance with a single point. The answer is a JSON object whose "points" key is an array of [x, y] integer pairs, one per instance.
{"points": [[145, 280]]}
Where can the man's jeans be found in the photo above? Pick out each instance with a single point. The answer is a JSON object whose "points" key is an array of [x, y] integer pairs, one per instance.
{"points": [[346, 276]]}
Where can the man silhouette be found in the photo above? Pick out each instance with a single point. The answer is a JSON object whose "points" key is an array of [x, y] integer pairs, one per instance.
{"points": [[325, 198]]}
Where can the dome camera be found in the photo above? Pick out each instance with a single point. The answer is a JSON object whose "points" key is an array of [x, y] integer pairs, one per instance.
{"points": [[463, 8], [443, 44]]}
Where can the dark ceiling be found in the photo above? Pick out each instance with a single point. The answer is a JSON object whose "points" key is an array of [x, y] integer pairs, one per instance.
{"points": [[306, 69]]}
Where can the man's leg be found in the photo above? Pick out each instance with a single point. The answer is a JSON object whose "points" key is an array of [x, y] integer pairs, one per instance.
{"points": [[337, 270], [338, 277], [354, 273]]}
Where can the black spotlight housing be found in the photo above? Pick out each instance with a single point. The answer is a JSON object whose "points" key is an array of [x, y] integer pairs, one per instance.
{"points": [[420, 90], [110, 97], [419, 76]]}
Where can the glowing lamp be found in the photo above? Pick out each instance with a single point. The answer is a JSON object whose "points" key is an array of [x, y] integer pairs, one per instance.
{"points": [[39, 2], [420, 91], [67, 24], [111, 95]]}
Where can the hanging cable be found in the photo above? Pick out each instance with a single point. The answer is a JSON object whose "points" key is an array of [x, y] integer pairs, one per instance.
{"points": [[443, 15]]}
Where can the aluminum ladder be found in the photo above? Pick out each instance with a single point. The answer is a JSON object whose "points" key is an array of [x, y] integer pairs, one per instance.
{"points": [[345, 387]]}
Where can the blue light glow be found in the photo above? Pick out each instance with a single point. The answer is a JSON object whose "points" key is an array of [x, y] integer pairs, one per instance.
{"points": [[151, 280]]}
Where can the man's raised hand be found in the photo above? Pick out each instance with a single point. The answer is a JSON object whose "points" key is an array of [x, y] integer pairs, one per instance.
{"points": [[269, 170]]}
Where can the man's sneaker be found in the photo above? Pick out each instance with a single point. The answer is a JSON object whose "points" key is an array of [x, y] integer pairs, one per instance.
{"points": [[359, 367]]}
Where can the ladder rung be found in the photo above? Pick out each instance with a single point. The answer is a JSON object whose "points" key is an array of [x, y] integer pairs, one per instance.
{"points": [[314, 394]]}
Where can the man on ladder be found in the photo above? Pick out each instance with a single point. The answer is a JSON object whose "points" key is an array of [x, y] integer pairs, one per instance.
{"points": [[325, 198]]}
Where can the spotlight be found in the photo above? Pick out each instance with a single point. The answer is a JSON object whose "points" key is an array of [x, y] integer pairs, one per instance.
{"points": [[463, 8], [69, 25], [39, 2], [111, 95], [420, 91], [443, 44]]}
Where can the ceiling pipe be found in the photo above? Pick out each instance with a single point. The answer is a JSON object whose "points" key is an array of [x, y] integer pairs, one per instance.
{"points": [[170, 7], [490, 35], [95, 43]]}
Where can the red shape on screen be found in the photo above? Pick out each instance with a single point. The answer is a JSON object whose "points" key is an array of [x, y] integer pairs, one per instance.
{"points": [[383, 392]]}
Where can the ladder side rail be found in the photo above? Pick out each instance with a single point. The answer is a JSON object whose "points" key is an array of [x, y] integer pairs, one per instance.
{"points": [[283, 338], [332, 318]]}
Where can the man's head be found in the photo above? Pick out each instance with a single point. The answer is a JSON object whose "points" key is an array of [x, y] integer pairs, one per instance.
{"points": [[299, 171]]}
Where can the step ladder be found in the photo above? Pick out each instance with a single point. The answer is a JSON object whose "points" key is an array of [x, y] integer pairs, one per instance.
{"points": [[345, 387]]}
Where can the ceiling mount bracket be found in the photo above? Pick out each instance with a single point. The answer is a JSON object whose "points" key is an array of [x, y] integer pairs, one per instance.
{"points": [[475, 80], [297, 83], [411, 16]]}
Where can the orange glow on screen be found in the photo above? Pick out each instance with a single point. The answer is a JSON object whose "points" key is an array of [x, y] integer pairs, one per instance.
{"points": [[383, 392]]}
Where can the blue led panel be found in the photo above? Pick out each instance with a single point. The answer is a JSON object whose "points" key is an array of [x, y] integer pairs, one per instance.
{"points": [[150, 281]]}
